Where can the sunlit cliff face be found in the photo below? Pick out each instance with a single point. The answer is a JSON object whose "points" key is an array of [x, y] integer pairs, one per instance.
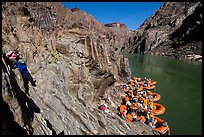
{"points": [[174, 30], [75, 60]]}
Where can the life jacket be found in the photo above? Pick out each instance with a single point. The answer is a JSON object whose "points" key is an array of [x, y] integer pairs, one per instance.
{"points": [[127, 98], [151, 104], [130, 85], [131, 82], [143, 119], [145, 102], [149, 86], [154, 107], [148, 116], [122, 108], [129, 117], [135, 78], [134, 106]]}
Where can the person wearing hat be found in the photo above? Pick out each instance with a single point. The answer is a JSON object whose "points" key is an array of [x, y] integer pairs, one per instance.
{"points": [[13, 57], [22, 67]]}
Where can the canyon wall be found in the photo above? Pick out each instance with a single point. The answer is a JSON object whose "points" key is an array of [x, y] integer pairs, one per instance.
{"points": [[174, 30], [75, 60]]}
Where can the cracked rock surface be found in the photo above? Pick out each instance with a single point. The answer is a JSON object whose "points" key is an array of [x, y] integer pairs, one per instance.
{"points": [[74, 60]]}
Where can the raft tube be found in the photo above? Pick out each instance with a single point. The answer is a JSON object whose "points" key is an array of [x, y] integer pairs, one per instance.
{"points": [[150, 87], [152, 82], [160, 109], [156, 96], [160, 127]]}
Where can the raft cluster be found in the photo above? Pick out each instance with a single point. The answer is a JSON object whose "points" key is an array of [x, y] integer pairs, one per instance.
{"points": [[138, 104]]}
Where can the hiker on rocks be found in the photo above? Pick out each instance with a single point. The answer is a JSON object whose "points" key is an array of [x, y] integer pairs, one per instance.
{"points": [[22, 67]]}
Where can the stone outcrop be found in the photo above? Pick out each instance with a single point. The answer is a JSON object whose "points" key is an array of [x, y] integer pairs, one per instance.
{"points": [[73, 9], [75, 60], [116, 24], [174, 30]]}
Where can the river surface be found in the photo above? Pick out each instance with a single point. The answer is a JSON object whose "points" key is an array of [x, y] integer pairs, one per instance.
{"points": [[180, 85]]}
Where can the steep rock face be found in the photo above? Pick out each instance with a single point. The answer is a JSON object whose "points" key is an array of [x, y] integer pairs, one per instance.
{"points": [[75, 60], [173, 30]]}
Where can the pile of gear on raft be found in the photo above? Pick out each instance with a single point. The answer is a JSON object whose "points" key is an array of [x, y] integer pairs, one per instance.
{"points": [[139, 104]]}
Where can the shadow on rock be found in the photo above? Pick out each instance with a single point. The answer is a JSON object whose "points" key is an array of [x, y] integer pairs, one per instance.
{"points": [[27, 105]]}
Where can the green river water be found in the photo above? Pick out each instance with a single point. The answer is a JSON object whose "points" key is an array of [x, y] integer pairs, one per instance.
{"points": [[180, 85]]}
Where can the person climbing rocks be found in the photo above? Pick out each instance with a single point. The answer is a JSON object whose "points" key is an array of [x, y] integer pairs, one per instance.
{"points": [[22, 67]]}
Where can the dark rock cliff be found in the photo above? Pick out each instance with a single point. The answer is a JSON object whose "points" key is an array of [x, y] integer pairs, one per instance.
{"points": [[75, 60], [174, 30]]}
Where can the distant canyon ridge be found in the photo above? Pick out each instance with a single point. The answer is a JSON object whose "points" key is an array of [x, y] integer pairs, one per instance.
{"points": [[174, 30], [76, 60]]}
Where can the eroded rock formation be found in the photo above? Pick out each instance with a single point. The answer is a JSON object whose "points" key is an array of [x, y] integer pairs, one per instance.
{"points": [[75, 60], [174, 30], [116, 24]]}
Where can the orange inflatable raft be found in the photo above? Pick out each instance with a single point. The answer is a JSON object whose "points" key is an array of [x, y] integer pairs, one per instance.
{"points": [[156, 96], [152, 82], [150, 87], [159, 109], [160, 127]]}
